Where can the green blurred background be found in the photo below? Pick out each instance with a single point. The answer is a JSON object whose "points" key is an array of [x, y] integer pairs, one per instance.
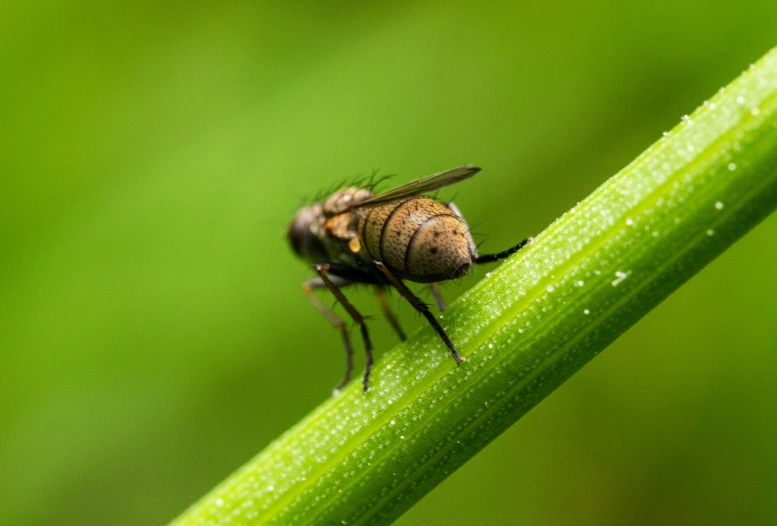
{"points": [[153, 332]]}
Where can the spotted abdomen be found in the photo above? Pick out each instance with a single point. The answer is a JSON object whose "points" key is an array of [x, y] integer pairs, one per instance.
{"points": [[419, 239]]}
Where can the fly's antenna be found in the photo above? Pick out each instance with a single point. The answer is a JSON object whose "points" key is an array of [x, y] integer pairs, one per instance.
{"points": [[490, 258]]}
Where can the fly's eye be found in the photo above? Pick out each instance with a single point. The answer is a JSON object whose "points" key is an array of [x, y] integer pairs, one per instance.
{"points": [[299, 230], [302, 236], [295, 237]]}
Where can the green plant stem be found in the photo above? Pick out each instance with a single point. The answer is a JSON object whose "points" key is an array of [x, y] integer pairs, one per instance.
{"points": [[525, 329]]}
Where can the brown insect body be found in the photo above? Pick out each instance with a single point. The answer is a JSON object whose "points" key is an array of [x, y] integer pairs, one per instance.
{"points": [[355, 236], [322, 232], [418, 239]]}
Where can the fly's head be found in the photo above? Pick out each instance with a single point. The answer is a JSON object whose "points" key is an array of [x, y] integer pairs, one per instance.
{"points": [[306, 234]]}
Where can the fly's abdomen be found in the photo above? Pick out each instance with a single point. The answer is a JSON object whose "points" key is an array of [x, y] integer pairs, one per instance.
{"points": [[371, 225], [418, 238]]}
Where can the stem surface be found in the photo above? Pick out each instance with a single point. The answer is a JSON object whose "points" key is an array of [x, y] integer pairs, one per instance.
{"points": [[525, 328]]}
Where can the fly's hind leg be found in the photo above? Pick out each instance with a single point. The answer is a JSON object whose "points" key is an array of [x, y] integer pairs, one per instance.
{"points": [[420, 306], [486, 258], [380, 295], [435, 288], [323, 270], [489, 258], [307, 289]]}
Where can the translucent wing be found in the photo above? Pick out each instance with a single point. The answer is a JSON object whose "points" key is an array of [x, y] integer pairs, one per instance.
{"points": [[420, 186]]}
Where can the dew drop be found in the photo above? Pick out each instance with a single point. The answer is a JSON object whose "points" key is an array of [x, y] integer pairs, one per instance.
{"points": [[710, 232], [219, 502], [732, 166], [586, 312], [719, 205], [579, 283], [550, 288], [619, 277], [740, 100], [490, 345], [655, 233], [754, 111], [629, 221]]}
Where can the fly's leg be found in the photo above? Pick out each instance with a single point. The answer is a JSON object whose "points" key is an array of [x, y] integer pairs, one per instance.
{"points": [[435, 288], [486, 258], [420, 306], [307, 289], [323, 269], [380, 295]]}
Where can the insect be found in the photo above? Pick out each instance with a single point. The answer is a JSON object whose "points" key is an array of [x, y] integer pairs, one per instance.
{"points": [[355, 236]]}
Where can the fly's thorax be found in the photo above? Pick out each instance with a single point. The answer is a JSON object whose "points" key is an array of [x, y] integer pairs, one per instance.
{"points": [[343, 199], [323, 232], [341, 226], [419, 238]]}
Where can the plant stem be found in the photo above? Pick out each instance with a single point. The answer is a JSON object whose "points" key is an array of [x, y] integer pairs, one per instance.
{"points": [[525, 329]]}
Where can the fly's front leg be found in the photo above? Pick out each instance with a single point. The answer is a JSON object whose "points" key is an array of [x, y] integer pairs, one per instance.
{"points": [[420, 306], [323, 269], [307, 289]]}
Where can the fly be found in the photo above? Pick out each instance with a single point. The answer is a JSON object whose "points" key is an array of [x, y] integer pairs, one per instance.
{"points": [[355, 236]]}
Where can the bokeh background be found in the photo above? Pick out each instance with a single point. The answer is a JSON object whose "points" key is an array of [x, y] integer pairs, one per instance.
{"points": [[153, 333]]}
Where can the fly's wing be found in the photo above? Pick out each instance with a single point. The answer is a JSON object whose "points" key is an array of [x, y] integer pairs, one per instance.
{"points": [[420, 186]]}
